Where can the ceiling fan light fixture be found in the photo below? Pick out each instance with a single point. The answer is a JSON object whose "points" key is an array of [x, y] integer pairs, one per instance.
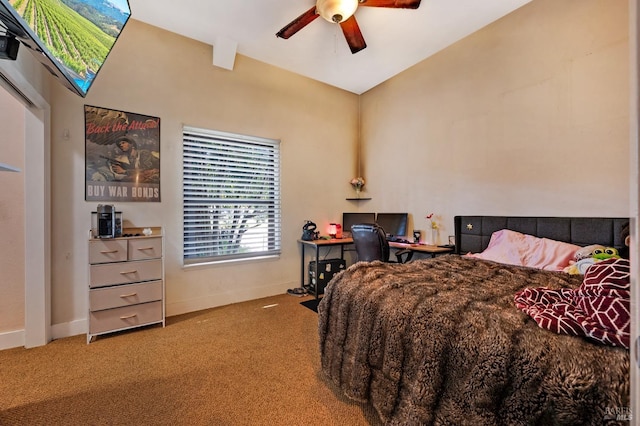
{"points": [[336, 10]]}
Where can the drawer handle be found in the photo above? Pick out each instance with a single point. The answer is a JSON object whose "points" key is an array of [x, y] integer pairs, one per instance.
{"points": [[124, 296], [108, 251], [145, 248], [128, 272], [124, 317]]}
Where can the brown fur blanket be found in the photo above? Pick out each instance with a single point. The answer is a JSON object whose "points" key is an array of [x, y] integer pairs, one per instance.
{"points": [[440, 341]]}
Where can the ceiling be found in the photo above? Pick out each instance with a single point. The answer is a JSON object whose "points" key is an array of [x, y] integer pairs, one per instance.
{"points": [[396, 38]]}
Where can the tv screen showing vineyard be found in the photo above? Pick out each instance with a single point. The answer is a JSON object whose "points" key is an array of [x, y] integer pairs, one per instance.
{"points": [[75, 35]]}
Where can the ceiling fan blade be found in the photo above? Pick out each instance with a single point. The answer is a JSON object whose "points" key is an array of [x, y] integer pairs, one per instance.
{"points": [[352, 33], [297, 24], [397, 4]]}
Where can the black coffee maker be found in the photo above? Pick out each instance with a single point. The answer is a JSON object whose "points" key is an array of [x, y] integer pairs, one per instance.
{"points": [[106, 221]]}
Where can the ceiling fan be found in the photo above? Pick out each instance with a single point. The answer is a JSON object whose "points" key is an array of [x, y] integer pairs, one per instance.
{"points": [[341, 12]]}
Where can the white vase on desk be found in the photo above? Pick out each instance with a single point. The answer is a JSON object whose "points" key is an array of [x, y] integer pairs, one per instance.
{"points": [[434, 237]]}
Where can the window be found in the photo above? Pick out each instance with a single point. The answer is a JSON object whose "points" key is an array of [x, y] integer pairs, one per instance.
{"points": [[231, 196]]}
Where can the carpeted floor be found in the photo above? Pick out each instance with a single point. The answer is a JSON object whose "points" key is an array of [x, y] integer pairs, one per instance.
{"points": [[252, 363]]}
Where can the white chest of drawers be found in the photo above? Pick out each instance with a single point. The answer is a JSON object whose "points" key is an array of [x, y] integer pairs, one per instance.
{"points": [[126, 282]]}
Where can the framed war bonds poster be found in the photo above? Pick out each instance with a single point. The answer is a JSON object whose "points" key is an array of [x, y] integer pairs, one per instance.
{"points": [[122, 156]]}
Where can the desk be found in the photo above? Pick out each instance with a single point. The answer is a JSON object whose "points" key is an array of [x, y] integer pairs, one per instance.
{"points": [[316, 244], [422, 248]]}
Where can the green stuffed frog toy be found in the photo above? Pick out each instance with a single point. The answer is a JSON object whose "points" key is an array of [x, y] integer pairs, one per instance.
{"points": [[589, 255]]}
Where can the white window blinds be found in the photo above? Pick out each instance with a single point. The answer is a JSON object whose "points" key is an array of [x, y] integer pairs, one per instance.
{"points": [[231, 196]]}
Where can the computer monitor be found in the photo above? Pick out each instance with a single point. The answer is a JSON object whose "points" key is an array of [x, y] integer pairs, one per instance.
{"points": [[394, 224], [349, 219]]}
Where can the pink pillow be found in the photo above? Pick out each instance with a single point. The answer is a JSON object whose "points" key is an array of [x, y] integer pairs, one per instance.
{"points": [[514, 248]]}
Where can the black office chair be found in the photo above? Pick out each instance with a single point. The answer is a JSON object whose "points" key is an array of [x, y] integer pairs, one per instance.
{"points": [[371, 244]]}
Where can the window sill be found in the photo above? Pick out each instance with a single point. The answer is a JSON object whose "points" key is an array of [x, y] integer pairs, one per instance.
{"points": [[228, 261]]}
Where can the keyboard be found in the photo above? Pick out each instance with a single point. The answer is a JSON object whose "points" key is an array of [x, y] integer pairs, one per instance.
{"points": [[398, 240]]}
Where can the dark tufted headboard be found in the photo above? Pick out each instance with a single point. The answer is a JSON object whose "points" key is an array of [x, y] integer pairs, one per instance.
{"points": [[474, 232]]}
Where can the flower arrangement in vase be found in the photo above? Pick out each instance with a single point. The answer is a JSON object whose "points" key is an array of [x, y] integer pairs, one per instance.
{"points": [[357, 183], [433, 224]]}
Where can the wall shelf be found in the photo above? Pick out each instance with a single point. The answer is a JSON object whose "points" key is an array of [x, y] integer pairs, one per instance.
{"points": [[358, 199]]}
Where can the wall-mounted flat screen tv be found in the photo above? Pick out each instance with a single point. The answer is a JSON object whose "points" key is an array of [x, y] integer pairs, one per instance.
{"points": [[71, 38]]}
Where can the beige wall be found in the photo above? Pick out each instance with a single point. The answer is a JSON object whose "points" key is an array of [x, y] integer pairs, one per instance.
{"points": [[12, 261], [158, 73], [529, 116]]}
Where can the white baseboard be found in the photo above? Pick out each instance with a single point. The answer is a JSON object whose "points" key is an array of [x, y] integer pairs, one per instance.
{"points": [[15, 339], [68, 329], [11, 339], [213, 301]]}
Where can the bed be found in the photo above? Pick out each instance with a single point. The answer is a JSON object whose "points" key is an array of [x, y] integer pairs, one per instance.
{"points": [[441, 341]]}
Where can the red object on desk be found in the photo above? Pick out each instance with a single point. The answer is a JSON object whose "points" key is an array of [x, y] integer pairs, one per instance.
{"points": [[332, 230], [335, 231]]}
